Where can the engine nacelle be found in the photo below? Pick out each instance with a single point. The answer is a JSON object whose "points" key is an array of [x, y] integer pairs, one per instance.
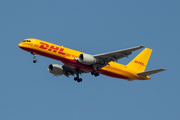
{"points": [[87, 59], [56, 69]]}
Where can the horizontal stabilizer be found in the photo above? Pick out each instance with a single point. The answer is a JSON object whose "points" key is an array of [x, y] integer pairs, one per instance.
{"points": [[150, 72]]}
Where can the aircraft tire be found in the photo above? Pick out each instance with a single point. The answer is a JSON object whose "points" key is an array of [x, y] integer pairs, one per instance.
{"points": [[96, 74], [75, 79], [79, 80], [34, 61]]}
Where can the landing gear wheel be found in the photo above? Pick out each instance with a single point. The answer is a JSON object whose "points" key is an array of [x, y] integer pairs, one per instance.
{"points": [[34, 61], [92, 73], [79, 80], [75, 79], [95, 73]]}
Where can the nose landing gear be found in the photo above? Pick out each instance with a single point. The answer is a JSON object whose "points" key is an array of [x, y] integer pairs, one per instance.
{"points": [[34, 57]]}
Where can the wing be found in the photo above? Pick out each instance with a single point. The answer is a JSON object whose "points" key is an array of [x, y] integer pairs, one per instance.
{"points": [[105, 58], [68, 70]]}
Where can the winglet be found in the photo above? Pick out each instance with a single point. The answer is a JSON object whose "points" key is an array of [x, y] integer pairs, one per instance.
{"points": [[150, 72]]}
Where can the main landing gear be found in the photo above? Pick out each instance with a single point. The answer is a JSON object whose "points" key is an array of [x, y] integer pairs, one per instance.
{"points": [[95, 73], [34, 57], [77, 78]]}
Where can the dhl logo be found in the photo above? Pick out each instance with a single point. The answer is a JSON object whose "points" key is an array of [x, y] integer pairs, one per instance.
{"points": [[138, 62], [54, 49]]}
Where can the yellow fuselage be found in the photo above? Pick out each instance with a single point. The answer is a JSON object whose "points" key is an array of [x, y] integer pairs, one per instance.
{"points": [[67, 56]]}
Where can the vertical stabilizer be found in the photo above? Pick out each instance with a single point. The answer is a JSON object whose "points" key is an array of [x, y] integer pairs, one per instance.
{"points": [[139, 63]]}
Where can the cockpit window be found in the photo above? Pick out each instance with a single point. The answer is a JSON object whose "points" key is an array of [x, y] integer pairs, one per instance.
{"points": [[26, 41]]}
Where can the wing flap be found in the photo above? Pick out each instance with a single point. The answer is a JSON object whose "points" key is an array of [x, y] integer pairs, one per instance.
{"points": [[150, 72]]}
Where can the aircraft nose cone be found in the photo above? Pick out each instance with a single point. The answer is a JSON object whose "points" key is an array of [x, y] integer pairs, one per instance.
{"points": [[20, 45]]}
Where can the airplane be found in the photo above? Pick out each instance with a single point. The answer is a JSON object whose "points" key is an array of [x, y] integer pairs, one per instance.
{"points": [[76, 62]]}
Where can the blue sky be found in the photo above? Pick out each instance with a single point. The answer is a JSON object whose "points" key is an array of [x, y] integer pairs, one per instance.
{"points": [[29, 92]]}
